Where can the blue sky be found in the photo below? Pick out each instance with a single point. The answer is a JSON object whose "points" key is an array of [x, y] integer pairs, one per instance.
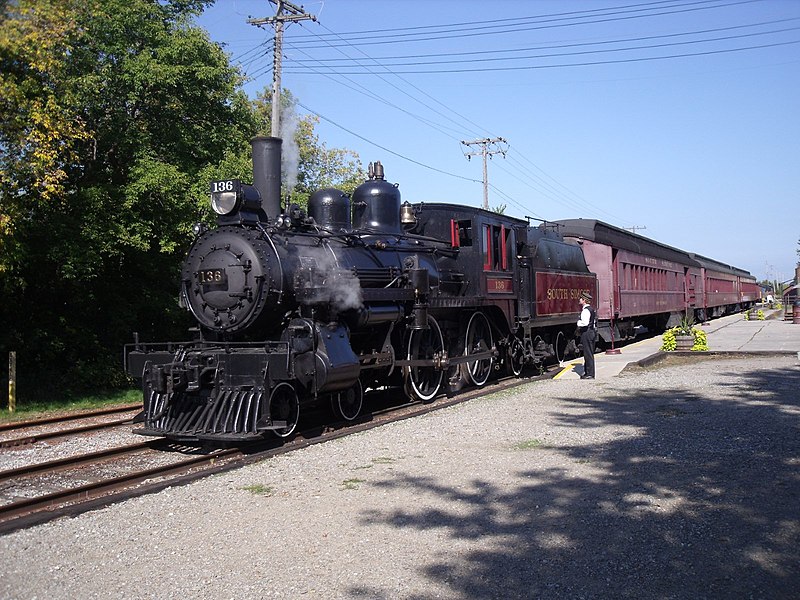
{"points": [[681, 116]]}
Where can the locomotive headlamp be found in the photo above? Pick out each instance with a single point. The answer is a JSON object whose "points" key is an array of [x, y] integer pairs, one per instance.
{"points": [[226, 196]]}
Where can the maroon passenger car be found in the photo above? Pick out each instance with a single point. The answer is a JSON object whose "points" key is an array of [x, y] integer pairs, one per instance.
{"points": [[644, 282]]}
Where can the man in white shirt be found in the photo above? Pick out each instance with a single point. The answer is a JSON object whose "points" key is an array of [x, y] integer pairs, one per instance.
{"points": [[587, 326]]}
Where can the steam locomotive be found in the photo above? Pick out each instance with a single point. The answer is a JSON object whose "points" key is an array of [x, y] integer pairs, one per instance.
{"points": [[294, 309]]}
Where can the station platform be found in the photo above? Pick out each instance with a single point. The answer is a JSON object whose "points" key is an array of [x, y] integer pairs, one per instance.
{"points": [[731, 333]]}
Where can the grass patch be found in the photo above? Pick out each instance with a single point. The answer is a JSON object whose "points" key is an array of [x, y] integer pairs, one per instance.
{"points": [[533, 444], [37, 409], [258, 489], [352, 484], [380, 460]]}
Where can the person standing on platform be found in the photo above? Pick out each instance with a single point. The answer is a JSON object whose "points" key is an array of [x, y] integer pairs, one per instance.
{"points": [[587, 327]]}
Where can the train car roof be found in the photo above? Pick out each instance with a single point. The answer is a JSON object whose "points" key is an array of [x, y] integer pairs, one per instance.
{"points": [[603, 233], [710, 263], [461, 210], [743, 273]]}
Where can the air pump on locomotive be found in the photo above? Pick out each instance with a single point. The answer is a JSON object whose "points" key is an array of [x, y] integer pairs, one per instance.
{"points": [[362, 292]]}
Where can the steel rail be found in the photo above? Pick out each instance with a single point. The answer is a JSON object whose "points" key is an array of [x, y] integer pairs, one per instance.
{"points": [[63, 464], [49, 435], [54, 501], [70, 417]]}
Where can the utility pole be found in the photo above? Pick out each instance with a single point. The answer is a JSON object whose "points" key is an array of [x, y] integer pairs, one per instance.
{"points": [[486, 148], [286, 11]]}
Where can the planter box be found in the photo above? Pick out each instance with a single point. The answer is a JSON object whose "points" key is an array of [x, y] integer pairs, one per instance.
{"points": [[684, 343]]}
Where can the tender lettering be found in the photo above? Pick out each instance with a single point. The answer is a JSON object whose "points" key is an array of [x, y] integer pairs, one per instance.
{"points": [[565, 293]]}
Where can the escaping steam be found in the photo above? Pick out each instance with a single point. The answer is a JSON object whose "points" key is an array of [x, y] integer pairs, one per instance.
{"points": [[342, 289], [290, 159], [345, 291]]}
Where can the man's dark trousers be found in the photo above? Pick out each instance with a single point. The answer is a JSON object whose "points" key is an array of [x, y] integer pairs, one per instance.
{"points": [[588, 341]]}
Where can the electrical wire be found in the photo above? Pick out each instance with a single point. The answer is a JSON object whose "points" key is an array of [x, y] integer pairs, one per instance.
{"points": [[523, 172], [476, 54], [353, 85], [384, 148], [390, 36], [404, 90], [574, 64]]}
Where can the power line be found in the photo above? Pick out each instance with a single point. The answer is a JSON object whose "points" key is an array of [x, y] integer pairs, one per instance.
{"points": [[575, 64], [352, 35], [354, 86], [390, 36], [475, 55], [550, 190], [566, 197], [371, 94], [524, 209], [405, 92], [384, 148]]}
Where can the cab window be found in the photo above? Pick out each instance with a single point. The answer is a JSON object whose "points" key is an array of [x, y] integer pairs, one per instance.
{"points": [[497, 244]]}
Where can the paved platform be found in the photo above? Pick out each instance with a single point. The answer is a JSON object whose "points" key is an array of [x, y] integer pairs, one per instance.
{"points": [[731, 333]]}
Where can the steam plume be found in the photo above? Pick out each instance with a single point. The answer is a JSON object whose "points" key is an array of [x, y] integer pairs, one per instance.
{"points": [[291, 151]]}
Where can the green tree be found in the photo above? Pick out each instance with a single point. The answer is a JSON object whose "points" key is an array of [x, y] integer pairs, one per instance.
{"points": [[116, 115], [111, 108]]}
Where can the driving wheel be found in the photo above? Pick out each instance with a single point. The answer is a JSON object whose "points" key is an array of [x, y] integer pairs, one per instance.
{"points": [[478, 341], [425, 381]]}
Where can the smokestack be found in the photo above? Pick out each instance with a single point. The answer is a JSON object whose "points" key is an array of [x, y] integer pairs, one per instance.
{"points": [[797, 275], [267, 172]]}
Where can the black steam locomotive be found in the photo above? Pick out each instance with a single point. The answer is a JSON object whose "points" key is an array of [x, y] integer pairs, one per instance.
{"points": [[362, 292]]}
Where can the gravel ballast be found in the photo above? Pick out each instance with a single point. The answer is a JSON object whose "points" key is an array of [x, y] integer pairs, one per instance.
{"points": [[677, 482]]}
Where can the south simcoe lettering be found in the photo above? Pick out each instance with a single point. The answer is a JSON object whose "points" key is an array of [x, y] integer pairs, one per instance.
{"points": [[565, 293]]}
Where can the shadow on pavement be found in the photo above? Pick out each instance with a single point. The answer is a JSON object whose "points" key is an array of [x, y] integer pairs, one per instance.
{"points": [[705, 503]]}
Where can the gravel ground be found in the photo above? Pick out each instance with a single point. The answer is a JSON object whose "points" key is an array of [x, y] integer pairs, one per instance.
{"points": [[681, 482], [47, 450]]}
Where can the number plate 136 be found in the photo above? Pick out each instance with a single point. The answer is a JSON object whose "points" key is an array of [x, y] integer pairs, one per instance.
{"points": [[212, 277]]}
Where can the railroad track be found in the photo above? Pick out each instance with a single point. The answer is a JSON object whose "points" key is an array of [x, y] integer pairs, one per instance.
{"points": [[94, 480], [70, 417], [37, 430], [83, 482]]}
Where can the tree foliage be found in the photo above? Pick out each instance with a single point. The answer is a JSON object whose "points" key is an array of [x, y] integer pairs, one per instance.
{"points": [[41, 124], [116, 114]]}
